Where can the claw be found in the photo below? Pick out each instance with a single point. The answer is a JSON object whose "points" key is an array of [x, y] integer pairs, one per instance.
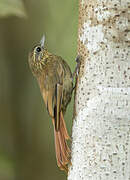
{"points": [[76, 71], [78, 58]]}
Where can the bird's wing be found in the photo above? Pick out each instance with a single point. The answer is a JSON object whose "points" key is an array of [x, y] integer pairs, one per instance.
{"points": [[52, 93], [57, 109]]}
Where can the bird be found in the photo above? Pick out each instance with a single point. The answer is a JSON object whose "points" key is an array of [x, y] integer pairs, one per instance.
{"points": [[55, 80]]}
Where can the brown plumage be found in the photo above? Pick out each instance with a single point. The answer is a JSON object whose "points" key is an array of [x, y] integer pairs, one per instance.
{"points": [[55, 80]]}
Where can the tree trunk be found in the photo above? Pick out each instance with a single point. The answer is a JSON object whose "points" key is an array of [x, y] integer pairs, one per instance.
{"points": [[101, 128]]}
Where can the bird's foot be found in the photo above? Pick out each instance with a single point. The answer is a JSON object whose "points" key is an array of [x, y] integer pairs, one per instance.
{"points": [[77, 68], [76, 71]]}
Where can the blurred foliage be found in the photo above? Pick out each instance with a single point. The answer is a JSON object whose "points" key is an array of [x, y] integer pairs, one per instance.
{"points": [[12, 7], [26, 134]]}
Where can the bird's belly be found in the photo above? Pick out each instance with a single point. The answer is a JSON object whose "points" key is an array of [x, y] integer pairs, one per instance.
{"points": [[67, 94]]}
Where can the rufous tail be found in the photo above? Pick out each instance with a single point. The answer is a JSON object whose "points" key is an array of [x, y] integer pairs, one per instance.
{"points": [[61, 147]]}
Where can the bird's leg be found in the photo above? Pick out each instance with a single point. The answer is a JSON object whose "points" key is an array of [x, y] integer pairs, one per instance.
{"points": [[76, 71]]}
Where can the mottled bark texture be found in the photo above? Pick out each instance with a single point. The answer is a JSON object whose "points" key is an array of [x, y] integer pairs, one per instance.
{"points": [[101, 128]]}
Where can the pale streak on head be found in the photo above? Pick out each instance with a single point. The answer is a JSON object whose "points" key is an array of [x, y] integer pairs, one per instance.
{"points": [[42, 41]]}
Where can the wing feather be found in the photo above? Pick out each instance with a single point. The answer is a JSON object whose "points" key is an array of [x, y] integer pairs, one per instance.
{"points": [[59, 92], [51, 85]]}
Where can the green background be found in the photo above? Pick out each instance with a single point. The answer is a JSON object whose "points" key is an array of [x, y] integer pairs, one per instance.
{"points": [[26, 134]]}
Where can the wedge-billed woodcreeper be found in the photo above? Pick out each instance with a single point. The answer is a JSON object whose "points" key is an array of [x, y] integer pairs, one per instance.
{"points": [[56, 85]]}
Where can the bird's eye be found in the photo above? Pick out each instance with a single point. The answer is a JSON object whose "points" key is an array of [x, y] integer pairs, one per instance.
{"points": [[38, 49]]}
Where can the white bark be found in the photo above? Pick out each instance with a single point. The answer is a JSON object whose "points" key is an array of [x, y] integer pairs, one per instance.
{"points": [[101, 129]]}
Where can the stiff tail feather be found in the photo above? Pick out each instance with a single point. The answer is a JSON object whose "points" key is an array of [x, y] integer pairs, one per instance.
{"points": [[61, 147]]}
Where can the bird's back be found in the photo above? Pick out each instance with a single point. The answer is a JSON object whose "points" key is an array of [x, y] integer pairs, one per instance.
{"points": [[56, 71]]}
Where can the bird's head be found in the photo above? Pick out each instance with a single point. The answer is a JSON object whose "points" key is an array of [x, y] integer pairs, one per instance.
{"points": [[37, 57]]}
